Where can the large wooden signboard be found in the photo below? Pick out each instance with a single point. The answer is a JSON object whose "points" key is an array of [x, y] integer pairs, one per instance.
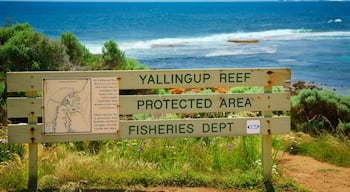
{"points": [[77, 106], [86, 105]]}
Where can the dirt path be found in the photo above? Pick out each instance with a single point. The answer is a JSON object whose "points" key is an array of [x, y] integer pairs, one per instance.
{"points": [[314, 175], [184, 189]]}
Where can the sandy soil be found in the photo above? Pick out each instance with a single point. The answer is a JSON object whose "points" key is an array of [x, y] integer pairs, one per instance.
{"points": [[314, 175]]}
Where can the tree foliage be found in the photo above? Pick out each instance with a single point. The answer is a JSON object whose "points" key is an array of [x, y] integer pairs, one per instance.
{"points": [[23, 49], [112, 56], [78, 53]]}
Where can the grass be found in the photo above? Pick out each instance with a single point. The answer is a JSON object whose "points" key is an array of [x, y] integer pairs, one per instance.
{"points": [[325, 148], [219, 162]]}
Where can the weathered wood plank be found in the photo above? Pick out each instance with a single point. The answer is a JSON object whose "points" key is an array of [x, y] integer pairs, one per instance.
{"points": [[149, 104], [202, 127], [150, 79], [23, 107], [24, 133]]}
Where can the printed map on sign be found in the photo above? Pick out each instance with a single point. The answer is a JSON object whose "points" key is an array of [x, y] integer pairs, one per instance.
{"points": [[67, 105], [81, 105]]}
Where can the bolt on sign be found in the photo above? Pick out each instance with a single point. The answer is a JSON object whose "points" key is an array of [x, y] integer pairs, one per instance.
{"points": [[97, 105]]}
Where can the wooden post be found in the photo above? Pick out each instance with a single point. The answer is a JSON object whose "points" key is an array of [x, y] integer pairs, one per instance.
{"points": [[33, 167], [267, 150], [33, 149]]}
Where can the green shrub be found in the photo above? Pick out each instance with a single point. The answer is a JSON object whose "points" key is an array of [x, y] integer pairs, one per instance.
{"points": [[2, 89], [112, 56], [78, 53], [252, 89], [23, 49], [8, 31], [132, 64], [7, 151], [246, 90], [319, 110]]}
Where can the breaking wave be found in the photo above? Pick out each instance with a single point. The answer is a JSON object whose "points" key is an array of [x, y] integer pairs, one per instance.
{"points": [[220, 40]]}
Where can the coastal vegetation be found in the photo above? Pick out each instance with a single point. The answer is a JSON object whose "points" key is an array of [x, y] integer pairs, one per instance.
{"points": [[320, 128], [24, 49]]}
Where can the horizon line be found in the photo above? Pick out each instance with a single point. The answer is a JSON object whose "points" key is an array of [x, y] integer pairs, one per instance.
{"points": [[169, 1]]}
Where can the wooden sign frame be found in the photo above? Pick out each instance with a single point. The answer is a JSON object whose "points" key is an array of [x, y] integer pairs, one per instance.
{"points": [[102, 90]]}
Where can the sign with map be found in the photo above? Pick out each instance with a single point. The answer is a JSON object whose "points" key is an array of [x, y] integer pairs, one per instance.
{"points": [[80, 105]]}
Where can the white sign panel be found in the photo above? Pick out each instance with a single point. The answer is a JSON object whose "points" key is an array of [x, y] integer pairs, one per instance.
{"points": [[253, 126], [81, 105]]}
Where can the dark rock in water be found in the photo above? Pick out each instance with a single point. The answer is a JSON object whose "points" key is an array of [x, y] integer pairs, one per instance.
{"points": [[243, 40]]}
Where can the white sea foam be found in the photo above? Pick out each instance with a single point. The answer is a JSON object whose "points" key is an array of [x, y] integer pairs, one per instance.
{"points": [[95, 48], [286, 60], [335, 20], [220, 39], [249, 51]]}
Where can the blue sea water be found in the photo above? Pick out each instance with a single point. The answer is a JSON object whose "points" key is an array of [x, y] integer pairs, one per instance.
{"points": [[313, 38]]}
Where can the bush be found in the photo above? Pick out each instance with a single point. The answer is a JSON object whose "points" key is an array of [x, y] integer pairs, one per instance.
{"points": [[23, 49], [132, 64], [8, 151], [112, 56], [3, 111], [315, 111], [78, 54], [7, 32]]}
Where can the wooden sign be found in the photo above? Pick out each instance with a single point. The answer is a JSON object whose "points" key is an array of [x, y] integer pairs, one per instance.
{"points": [[84, 105], [89, 105]]}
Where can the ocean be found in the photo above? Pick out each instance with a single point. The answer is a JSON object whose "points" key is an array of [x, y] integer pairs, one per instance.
{"points": [[313, 38]]}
